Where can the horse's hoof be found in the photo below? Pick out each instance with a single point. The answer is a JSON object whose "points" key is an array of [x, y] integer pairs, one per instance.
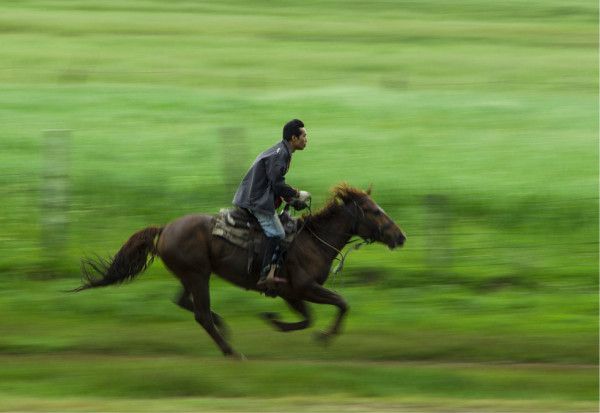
{"points": [[322, 337], [236, 356]]}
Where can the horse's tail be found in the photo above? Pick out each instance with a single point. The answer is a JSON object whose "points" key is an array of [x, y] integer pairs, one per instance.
{"points": [[131, 260]]}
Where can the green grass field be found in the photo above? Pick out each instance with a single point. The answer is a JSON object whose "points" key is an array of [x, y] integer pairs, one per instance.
{"points": [[476, 122]]}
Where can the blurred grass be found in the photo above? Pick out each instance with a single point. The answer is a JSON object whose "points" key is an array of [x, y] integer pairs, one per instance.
{"points": [[490, 107], [160, 377], [295, 404], [435, 323]]}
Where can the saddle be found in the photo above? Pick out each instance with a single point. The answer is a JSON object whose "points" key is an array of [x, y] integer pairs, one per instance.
{"points": [[239, 227]]}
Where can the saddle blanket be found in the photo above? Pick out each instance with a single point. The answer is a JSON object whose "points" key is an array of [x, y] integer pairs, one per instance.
{"points": [[243, 230]]}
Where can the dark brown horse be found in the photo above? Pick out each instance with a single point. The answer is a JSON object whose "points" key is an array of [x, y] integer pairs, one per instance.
{"points": [[192, 253]]}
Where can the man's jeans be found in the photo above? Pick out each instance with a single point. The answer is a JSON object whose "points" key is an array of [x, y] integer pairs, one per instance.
{"points": [[270, 224]]}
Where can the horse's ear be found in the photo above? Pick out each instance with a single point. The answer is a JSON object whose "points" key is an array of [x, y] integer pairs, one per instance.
{"points": [[370, 189]]}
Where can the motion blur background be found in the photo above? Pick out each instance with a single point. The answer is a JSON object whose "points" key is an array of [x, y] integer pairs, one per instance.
{"points": [[475, 121]]}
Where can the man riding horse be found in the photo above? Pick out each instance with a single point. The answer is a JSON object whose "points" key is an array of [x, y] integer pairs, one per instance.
{"points": [[262, 190], [192, 253]]}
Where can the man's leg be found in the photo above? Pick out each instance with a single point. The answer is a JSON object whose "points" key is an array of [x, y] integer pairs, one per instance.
{"points": [[275, 249]]}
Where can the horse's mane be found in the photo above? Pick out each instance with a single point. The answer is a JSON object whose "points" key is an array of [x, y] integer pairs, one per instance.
{"points": [[341, 194]]}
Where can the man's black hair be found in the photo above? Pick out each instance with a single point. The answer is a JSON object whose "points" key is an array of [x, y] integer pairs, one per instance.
{"points": [[292, 128]]}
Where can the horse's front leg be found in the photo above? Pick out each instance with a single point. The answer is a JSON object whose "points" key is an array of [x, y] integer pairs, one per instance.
{"points": [[316, 293], [296, 305]]}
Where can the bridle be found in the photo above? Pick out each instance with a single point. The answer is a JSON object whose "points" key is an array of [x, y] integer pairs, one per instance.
{"points": [[377, 232], [353, 231]]}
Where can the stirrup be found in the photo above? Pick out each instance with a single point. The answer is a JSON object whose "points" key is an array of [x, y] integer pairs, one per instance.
{"points": [[270, 281]]}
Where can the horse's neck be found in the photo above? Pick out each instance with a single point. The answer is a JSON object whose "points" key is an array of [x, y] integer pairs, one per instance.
{"points": [[334, 232]]}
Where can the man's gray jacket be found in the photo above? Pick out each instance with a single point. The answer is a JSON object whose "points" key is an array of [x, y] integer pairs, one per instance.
{"points": [[265, 182]]}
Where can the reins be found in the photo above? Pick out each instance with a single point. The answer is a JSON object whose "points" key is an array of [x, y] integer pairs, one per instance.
{"points": [[325, 242], [340, 266]]}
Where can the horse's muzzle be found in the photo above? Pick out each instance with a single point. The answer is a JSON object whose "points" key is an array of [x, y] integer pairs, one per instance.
{"points": [[397, 241]]}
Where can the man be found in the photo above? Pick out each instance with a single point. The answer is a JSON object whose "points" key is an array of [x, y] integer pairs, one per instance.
{"points": [[262, 191]]}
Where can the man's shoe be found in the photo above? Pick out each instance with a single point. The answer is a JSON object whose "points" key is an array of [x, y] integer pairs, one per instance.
{"points": [[269, 281]]}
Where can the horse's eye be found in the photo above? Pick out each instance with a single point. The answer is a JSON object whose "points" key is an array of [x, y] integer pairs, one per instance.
{"points": [[377, 212]]}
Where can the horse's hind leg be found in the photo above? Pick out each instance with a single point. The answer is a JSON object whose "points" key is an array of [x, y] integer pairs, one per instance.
{"points": [[220, 323], [184, 300], [297, 305], [197, 284]]}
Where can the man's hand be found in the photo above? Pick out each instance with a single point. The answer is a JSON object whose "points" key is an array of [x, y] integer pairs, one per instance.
{"points": [[303, 196], [298, 205], [300, 201]]}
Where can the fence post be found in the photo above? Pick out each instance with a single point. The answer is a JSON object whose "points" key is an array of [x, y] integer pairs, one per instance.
{"points": [[54, 198], [234, 159]]}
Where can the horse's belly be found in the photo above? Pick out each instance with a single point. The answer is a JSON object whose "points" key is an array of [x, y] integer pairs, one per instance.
{"points": [[231, 263]]}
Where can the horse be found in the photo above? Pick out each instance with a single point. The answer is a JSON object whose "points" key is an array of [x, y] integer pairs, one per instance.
{"points": [[190, 251]]}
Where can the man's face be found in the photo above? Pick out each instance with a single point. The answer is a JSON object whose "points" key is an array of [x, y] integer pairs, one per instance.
{"points": [[299, 142]]}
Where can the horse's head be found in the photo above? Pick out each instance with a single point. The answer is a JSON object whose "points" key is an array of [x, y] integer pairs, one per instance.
{"points": [[370, 220]]}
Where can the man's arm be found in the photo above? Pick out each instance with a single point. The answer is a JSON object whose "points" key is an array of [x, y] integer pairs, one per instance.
{"points": [[276, 168]]}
